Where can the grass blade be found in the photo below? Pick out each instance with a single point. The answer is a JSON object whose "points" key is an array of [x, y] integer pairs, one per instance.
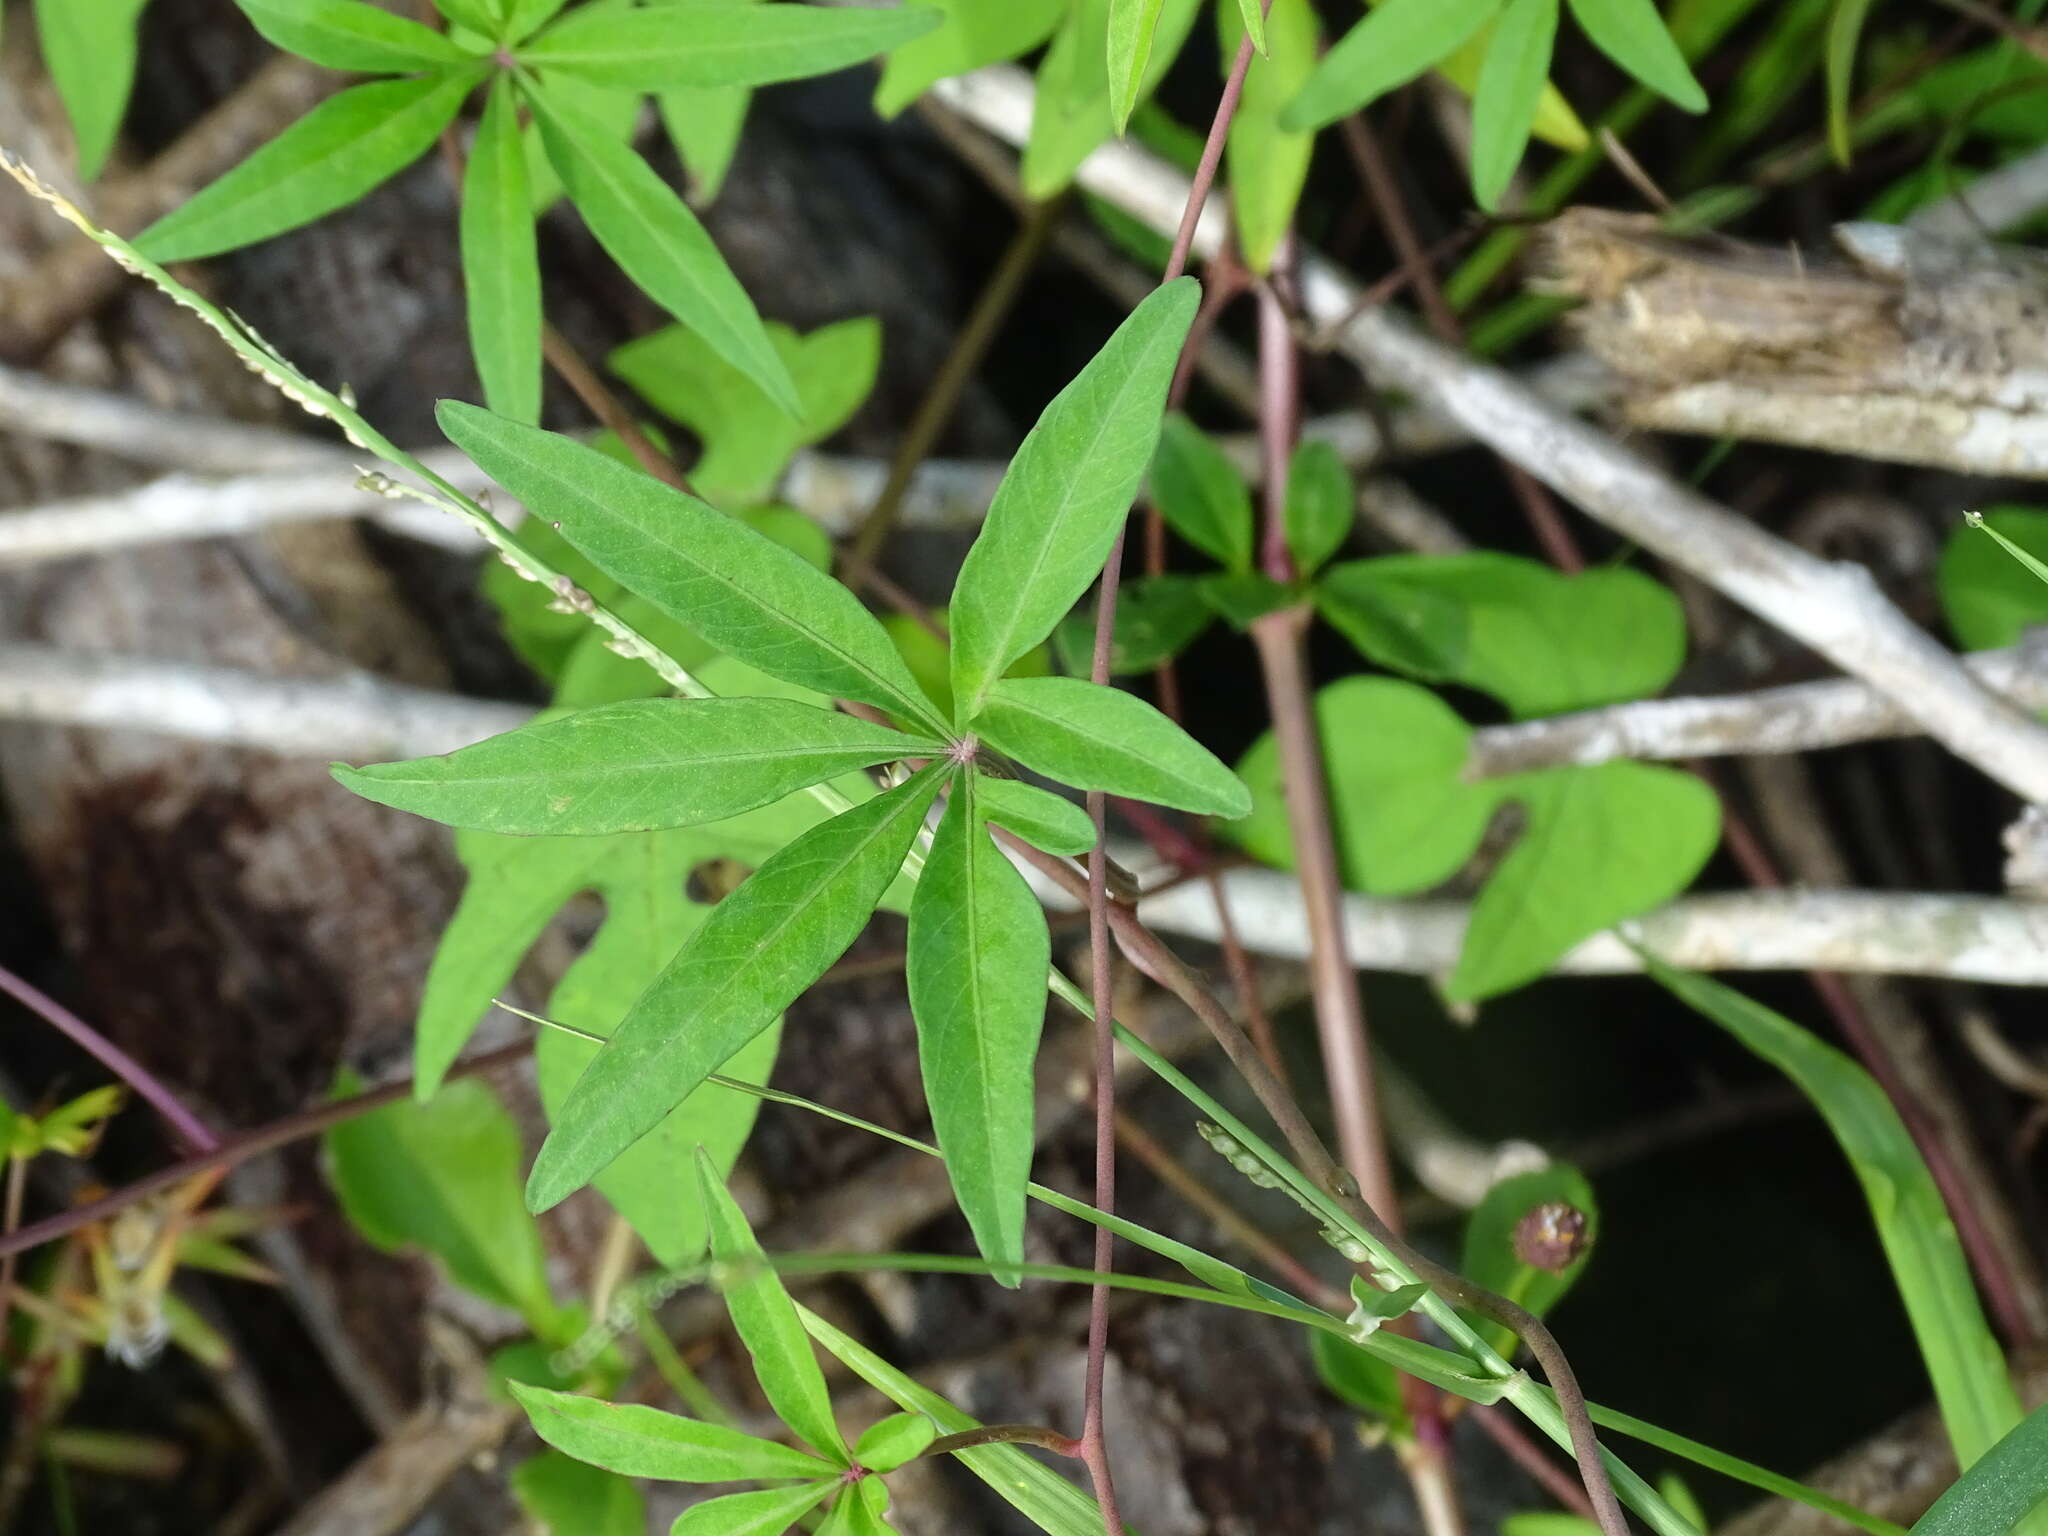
{"points": [[1971, 1386]]}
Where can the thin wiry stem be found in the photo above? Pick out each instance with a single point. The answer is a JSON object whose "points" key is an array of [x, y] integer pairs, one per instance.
{"points": [[240, 1148], [1156, 960], [1094, 1448], [188, 1127], [1339, 1003]]}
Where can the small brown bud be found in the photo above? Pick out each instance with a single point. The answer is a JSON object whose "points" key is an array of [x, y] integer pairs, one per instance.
{"points": [[1552, 1236]]}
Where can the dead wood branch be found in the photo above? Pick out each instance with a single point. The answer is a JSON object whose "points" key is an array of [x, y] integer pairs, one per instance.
{"points": [[360, 717], [1918, 348], [354, 716], [1802, 717], [1834, 608]]}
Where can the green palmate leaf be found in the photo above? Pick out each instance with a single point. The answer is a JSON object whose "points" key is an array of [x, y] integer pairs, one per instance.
{"points": [[89, 48], [1395, 42], [524, 17], [1155, 620], [1990, 598], [564, 1497], [660, 47], [1131, 24], [653, 236], [1490, 1259], [1510, 89], [886, 1445], [748, 440], [645, 880], [2006, 1483], [1065, 495], [577, 656], [745, 594], [615, 112], [973, 33], [874, 1498], [979, 953], [1404, 818], [1538, 641], [1041, 818], [1072, 113], [1320, 499], [767, 1323], [930, 656], [1099, 738], [1603, 843], [482, 17], [1053, 1504], [1971, 1384], [515, 887], [1201, 495], [704, 123], [761, 947], [349, 34], [328, 159], [648, 916], [635, 1441], [444, 1176], [767, 1513], [1631, 33], [635, 766], [1598, 844], [501, 262], [1268, 164]]}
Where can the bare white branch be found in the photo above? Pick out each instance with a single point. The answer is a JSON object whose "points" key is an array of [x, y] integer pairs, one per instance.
{"points": [[1804, 717], [237, 478], [1835, 608], [187, 506], [363, 719], [355, 716], [1995, 201], [148, 434], [1967, 938]]}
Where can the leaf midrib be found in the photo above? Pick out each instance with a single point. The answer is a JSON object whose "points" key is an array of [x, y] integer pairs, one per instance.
{"points": [[860, 757], [628, 198], [385, 130], [767, 942], [662, 541], [1051, 525]]}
